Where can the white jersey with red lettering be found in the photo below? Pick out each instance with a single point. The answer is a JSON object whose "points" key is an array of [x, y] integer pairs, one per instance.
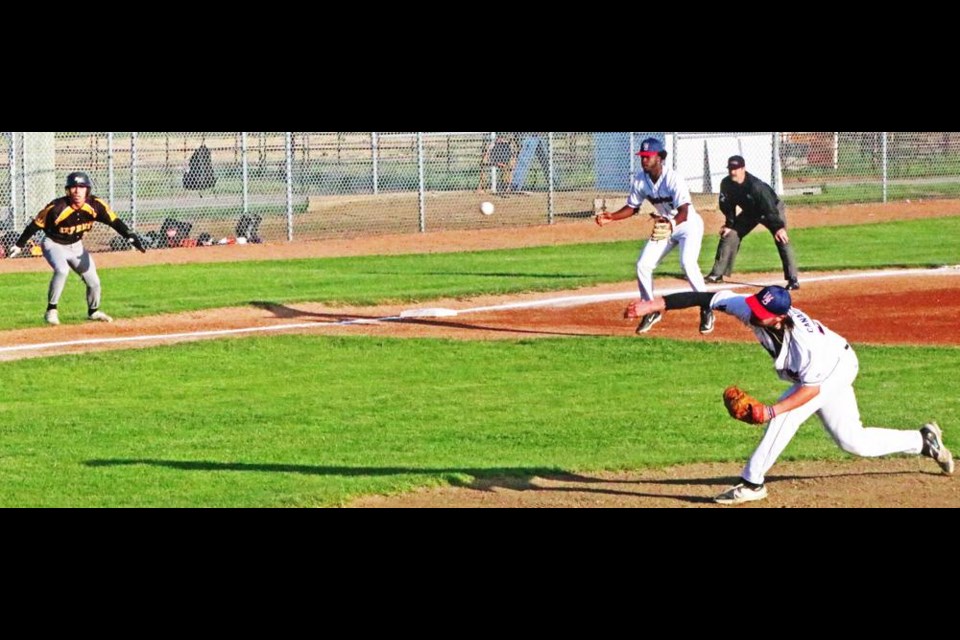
{"points": [[805, 353], [666, 195]]}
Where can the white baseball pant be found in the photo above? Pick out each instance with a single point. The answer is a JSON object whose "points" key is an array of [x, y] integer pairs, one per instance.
{"points": [[689, 237], [836, 406]]}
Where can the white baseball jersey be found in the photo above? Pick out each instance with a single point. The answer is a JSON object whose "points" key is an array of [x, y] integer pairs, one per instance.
{"points": [[666, 194], [808, 353]]}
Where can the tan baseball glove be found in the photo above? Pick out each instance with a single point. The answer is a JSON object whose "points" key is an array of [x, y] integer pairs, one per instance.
{"points": [[662, 229], [746, 408]]}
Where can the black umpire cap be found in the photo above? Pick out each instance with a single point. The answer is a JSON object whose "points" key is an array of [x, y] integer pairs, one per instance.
{"points": [[735, 162]]}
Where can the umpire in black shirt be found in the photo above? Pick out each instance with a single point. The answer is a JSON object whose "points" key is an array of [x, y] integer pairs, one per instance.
{"points": [[758, 204]]}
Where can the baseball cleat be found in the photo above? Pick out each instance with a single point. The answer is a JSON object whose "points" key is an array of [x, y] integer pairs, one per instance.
{"points": [[99, 316], [933, 446], [648, 321], [714, 279], [741, 493], [52, 316], [792, 285], [706, 321]]}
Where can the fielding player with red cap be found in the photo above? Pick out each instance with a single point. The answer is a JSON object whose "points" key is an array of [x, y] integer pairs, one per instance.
{"points": [[677, 223], [821, 366]]}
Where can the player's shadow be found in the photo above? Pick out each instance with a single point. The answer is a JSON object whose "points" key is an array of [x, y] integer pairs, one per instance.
{"points": [[283, 311], [485, 479], [480, 327], [494, 274]]}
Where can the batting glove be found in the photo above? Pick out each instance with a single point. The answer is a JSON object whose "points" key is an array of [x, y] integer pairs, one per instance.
{"points": [[135, 240]]}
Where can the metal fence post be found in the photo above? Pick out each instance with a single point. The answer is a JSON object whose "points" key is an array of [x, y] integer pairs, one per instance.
{"points": [[550, 177], [23, 175], [289, 176], [493, 166], [774, 157], [884, 145], [110, 176], [836, 150], [133, 178], [12, 162], [375, 161], [243, 171], [420, 187], [633, 160], [676, 143]]}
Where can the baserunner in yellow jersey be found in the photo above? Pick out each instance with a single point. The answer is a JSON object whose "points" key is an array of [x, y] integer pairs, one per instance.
{"points": [[63, 222]]}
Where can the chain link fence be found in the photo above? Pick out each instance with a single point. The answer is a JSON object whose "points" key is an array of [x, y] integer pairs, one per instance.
{"points": [[189, 188]]}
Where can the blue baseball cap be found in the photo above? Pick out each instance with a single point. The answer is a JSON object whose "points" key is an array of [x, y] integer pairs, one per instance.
{"points": [[650, 147], [770, 302]]}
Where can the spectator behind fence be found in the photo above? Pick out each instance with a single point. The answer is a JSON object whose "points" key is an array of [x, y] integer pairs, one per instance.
{"points": [[501, 153]]}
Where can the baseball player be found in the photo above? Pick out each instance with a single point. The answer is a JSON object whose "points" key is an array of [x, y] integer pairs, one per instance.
{"points": [[64, 221], [758, 204], [677, 223], [821, 366]]}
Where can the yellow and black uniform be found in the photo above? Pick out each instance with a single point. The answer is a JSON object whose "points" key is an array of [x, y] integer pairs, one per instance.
{"points": [[65, 225]]}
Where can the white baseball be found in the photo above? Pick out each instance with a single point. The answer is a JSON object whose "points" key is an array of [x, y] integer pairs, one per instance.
{"points": [[486, 208]]}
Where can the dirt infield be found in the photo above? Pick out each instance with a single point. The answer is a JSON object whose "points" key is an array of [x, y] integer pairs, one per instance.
{"points": [[902, 309]]}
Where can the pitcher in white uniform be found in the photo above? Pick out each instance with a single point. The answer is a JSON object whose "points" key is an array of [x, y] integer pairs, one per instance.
{"points": [[667, 191], [821, 366]]}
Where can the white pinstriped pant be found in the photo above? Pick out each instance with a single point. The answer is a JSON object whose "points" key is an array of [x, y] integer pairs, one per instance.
{"points": [[836, 406], [689, 237]]}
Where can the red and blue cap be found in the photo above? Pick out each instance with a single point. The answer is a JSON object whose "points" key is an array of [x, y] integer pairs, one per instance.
{"points": [[650, 147], [770, 302]]}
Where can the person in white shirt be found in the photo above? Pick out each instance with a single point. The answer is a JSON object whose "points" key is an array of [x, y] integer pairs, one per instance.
{"points": [[821, 366], [667, 191]]}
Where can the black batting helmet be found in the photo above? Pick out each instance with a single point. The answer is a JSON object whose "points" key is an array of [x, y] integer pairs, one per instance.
{"points": [[78, 179]]}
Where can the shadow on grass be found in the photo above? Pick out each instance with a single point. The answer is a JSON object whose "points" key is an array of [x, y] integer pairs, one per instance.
{"points": [[516, 479], [283, 311]]}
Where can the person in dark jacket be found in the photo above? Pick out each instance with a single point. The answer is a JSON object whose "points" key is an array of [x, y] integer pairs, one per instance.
{"points": [[758, 204]]}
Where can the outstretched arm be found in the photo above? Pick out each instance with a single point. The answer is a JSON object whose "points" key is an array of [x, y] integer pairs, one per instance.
{"points": [[28, 232], [121, 227], [682, 300], [800, 397], [622, 213]]}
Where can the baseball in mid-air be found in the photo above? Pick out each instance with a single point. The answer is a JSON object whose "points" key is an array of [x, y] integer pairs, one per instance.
{"points": [[486, 208]]}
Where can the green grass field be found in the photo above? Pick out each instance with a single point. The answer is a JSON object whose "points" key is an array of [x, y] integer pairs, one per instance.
{"points": [[872, 191], [316, 421]]}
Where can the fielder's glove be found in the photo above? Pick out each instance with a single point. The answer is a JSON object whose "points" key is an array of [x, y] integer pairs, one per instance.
{"points": [[135, 240], [14, 251], [661, 229], [745, 408]]}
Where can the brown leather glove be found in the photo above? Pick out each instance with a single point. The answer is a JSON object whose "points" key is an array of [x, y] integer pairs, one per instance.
{"points": [[746, 408]]}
